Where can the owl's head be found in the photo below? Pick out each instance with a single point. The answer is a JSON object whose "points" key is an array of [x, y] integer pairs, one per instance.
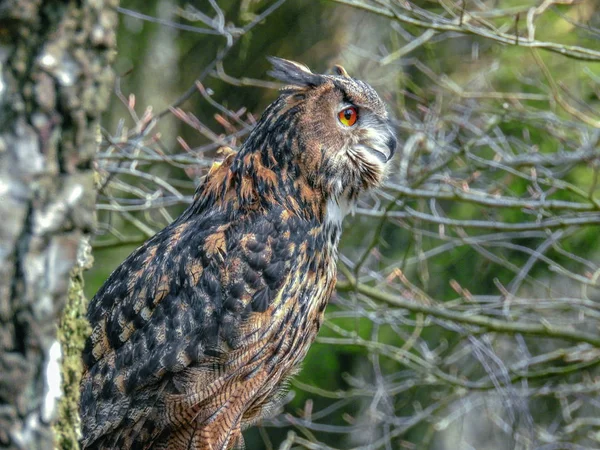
{"points": [[333, 130]]}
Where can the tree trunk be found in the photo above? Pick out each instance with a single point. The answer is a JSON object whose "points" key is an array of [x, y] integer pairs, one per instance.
{"points": [[55, 81]]}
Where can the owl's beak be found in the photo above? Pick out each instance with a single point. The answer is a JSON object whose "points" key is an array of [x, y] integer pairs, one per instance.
{"points": [[384, 147], [391, 145], [379, 140]]}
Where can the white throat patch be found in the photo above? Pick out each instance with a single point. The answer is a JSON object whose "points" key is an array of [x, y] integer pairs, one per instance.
{"points": [[336, 211]]}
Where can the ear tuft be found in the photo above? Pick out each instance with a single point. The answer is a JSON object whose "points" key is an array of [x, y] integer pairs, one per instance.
{"points": [[339, 70], [293, 73]]}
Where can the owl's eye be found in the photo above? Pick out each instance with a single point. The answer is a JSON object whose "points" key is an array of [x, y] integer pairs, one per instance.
{"points": [[348, 116]]}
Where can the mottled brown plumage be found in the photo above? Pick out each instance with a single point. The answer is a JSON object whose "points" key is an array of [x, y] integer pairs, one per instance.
{"points": [[195, 334]]}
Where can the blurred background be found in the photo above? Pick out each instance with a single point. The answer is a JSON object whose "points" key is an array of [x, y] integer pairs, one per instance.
{"points": [[467, 311]]}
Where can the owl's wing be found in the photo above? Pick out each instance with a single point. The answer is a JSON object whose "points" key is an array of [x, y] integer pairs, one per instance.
{"points": [[149, 319], [166, 317]]}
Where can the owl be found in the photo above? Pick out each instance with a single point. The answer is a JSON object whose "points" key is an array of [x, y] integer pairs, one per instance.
{"points": [[195, 334]]}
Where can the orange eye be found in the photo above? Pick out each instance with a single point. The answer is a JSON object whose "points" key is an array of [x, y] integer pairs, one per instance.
{"points": [[348, 116]]}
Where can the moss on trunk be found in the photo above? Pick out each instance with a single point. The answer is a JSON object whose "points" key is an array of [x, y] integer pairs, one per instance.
{"points": [[72, 333]]}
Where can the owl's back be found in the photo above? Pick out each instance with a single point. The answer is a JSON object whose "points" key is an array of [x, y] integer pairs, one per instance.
{"points": [[196, 331]]}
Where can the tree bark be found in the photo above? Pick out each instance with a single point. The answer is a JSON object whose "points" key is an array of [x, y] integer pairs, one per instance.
{"points": [[55, 81]]}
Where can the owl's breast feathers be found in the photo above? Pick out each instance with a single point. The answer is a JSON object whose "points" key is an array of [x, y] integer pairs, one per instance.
{"points": [[196, 330]]}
